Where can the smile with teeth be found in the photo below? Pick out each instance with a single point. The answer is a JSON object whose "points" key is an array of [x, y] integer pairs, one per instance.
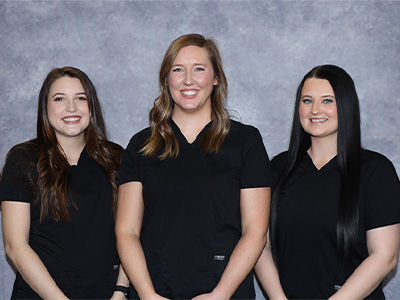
{"points": [[189, 92], [71, 119], [318, 120]]}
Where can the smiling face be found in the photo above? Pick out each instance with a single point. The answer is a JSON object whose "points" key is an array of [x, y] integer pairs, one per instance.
{"points": [[318, 110], [68, 109], [191, 81]]}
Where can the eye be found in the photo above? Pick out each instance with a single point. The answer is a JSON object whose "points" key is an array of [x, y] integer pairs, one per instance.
{"points": [[82, 98], [199, 69], [327, 101], [58, 99], [307, 101], [177, 70]]}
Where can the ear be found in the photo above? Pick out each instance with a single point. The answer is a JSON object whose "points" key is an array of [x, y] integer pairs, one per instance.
{"points": [[215, 81]]}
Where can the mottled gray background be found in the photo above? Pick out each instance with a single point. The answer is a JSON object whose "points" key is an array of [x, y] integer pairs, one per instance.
{"points": [[267, 47]]}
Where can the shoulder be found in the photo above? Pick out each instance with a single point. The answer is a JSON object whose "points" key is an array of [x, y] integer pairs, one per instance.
{"points": [[240, 128], [114, 146], [23, 153], [138, 140], [369, 156], [280, 158], [377, 169], [372, 161], [244, 136], [380, 186], [279, 161], [141, 136], [243, 133], [21, 161]]}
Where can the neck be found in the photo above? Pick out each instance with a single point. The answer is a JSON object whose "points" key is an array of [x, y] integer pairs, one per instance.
{"points": [[72, 148], [191, 125], [322, 150]]}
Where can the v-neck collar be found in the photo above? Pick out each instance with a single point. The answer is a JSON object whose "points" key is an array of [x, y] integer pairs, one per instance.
{"points": [[83, 158], [331, 163], [182, 139]]}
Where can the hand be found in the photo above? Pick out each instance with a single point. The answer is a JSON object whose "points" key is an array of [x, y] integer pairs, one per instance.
{"points": [[158, 297], [118, 296], [209, 296]]}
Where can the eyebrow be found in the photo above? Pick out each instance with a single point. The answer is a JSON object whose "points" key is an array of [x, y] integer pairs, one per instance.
{"points": [[324, 96], [195, 64], [62, 94]]}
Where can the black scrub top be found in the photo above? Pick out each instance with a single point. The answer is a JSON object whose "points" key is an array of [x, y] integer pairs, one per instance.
{"points": [[308, 262], [80, 255], [192, 222]]}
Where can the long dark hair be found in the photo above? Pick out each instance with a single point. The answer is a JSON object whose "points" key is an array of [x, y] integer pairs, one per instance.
{"points": [[52, 185], [348, 157], [162, 137]]}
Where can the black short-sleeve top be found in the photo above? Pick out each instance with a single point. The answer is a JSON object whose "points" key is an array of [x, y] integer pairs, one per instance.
{"points": [[308, 262], [192, 221], [81, 254]]}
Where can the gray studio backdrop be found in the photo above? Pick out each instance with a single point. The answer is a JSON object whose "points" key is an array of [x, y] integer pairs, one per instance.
{"points": [[267, 47]]}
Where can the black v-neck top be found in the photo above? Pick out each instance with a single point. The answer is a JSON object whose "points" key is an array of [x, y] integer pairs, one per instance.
{"points": [[182, 139], [308, 262], [191, 222], [80, 255]]}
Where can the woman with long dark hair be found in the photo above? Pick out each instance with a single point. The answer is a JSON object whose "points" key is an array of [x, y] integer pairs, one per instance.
{"points": [[58, 194], [335, 211], [194, 187]]}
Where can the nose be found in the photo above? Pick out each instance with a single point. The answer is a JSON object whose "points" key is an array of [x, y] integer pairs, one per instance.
{"points": [[71, 106], [315, 109], [188, 78]]}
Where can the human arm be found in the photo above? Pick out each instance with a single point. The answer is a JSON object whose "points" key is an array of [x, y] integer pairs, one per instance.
{"points": [[254, 210], [122, 280], [16, 225], [128, 225], [383, 247], [268, 275]]}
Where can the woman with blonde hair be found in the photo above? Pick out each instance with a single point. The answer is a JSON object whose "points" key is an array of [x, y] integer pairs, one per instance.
{"points": [[194, 187]]}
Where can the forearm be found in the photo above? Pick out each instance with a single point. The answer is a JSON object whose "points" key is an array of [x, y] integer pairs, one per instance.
{"points": [[366, 278], [34, 272], [268, 276], [122, 277], [241, 262], [123, 281], [128, 225], [134, 264]]}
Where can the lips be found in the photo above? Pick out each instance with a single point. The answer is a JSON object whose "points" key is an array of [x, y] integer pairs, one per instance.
{"points": [[189, 93], [318, 120], [71, 119]]}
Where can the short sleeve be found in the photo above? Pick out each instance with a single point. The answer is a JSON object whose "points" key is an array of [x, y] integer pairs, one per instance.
{"points": [[130, 164], [256, 168], [381, 193], [278, 163], [14, 182]]}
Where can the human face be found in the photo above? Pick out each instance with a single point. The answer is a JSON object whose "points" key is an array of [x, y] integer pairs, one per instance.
{"points": [[318, 110], [68, 109], [191, 81]]}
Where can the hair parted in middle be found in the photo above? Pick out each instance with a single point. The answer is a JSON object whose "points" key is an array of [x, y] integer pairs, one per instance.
{"points": [[53, 169], [348, 157], [162, 136]]}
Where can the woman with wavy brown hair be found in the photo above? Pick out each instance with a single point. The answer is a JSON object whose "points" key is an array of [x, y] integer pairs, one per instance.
{"points": [[194, 187], [58, 194]]}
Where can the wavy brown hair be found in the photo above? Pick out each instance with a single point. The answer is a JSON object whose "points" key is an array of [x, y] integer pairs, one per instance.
{"points": [[53, 170], [162, 137]]}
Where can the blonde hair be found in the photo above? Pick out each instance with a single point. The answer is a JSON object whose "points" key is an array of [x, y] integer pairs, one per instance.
{"points": [[162, 136]]}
